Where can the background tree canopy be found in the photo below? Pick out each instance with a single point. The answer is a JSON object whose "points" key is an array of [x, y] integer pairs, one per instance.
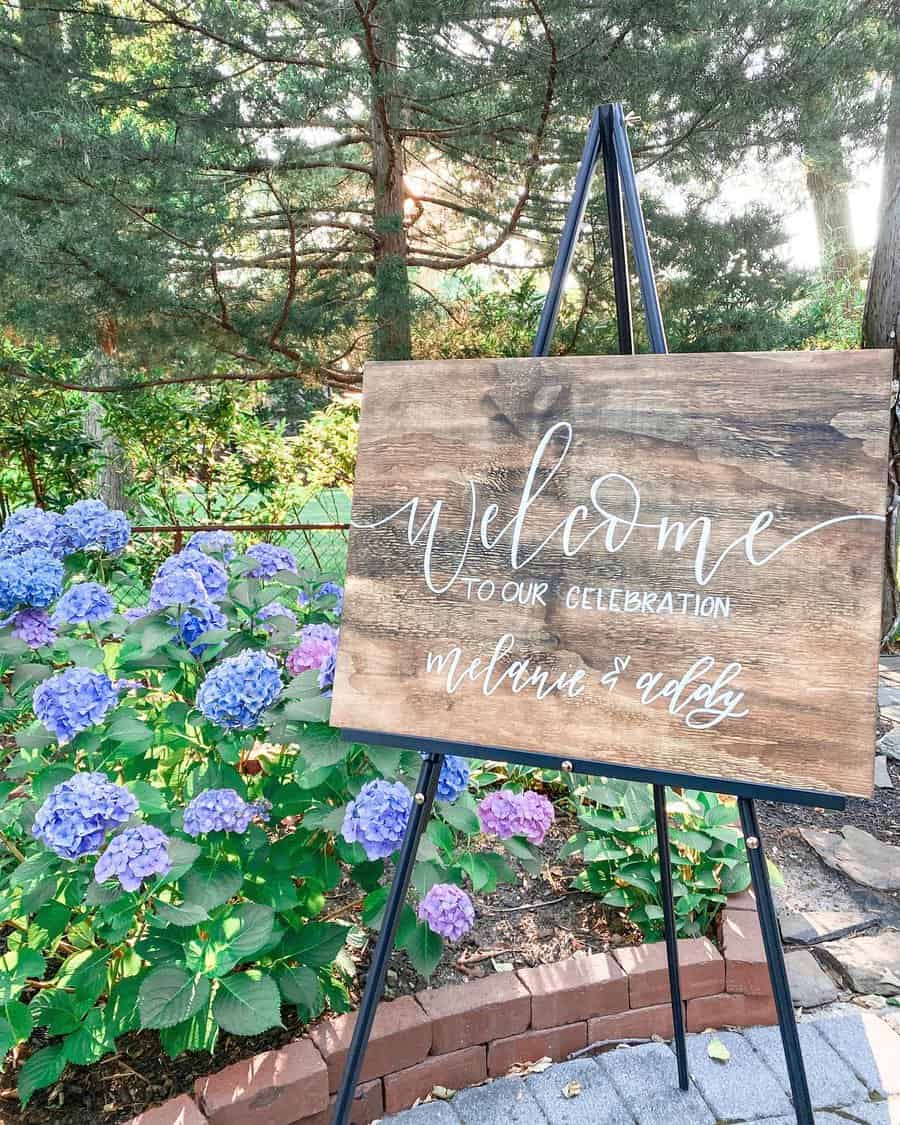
{"points": [[212, 194]]}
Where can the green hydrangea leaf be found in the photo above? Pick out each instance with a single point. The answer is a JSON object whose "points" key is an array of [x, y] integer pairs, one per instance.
{"points": [[169, 995], [40, 1070], [247, 1003]]}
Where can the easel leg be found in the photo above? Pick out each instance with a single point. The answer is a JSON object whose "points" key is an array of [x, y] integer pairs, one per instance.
{"points": [[775, 957], [418, 818], [671, 935]]}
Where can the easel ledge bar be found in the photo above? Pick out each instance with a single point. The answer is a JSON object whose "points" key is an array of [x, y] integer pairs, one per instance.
{"points": [[752, 790]]}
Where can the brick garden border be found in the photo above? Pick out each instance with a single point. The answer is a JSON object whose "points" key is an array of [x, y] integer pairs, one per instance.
{"points": [[462, 1034]]}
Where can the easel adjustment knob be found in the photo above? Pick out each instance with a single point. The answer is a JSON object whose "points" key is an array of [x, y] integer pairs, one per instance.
{"points": [[752, 842], [567, 766], [419, 798]]}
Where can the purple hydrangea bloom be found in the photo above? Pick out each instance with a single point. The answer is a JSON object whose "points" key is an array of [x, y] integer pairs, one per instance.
{"points": [[136, 613], [237, 691], [180, 586], [33, 578], [133, 855], [270, 560], [220, 543], [221, 810], [275, 609], [34, 627], [318, 644], [193, 623], [84, 603], [74, 700], [90, 525], [33, 527], [506, 814], [326, 590], [377, 818], [213, 576], [447, 910], [77, 814], [534, 817], [454, 777], [498, 812]]}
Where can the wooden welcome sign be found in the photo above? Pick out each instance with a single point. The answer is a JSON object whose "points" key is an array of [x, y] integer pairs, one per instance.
{"points": [[665, 562]]}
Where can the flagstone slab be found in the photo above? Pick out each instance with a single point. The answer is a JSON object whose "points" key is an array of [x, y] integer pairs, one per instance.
{"points": [[811, 986], [811, 927], [859, 855], [882, 773], [889, 745], [867, 964]]}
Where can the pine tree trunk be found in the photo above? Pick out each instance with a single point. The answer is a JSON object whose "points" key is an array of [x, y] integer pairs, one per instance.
{"points": [[827, 180], [883, 293], [881, 329], [392, 305], [113, 473]]}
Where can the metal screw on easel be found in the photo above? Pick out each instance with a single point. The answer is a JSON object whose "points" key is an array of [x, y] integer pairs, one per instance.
{"points": [[753, 842], [567, 766], [419, 798]]}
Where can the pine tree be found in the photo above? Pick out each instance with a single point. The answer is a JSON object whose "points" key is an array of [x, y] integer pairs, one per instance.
{"points": [[265, 192]]}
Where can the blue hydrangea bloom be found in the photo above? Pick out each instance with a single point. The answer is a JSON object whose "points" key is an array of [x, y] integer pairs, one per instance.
{"points": [[221, 810], [326, 676], [34, 627], [77, 814], [454, 777], [84, 603], [213, 575], [32, 527], [194, 622], [90, 525], [74, 700], [33, 578], [270, 560], [133, 856], [179, 586], [237, 691], [220, 543], [136, 612], [275, 609], [377, 818], [326, 590]]}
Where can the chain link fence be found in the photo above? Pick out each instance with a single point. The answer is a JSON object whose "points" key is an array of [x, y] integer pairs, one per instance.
{"points": [[318, 547]]}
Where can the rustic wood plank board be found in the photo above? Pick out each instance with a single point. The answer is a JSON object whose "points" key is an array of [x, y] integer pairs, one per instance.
{"points": [[681, 569]]}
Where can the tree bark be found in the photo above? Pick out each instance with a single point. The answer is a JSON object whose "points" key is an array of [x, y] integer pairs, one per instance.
{"points": [[113, 473], [883, 293], [881, 329], [393, 337], [827, 181]]}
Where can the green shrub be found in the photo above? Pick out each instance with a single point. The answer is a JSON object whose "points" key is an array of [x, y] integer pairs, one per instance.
{"points": [[618, 842]]}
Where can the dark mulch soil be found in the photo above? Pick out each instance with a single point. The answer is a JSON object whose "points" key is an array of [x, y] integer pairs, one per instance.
{"points": [[536, 920]]}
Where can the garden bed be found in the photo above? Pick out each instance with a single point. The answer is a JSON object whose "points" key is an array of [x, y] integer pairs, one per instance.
{"points": [[445, 1037], [539, 920]]}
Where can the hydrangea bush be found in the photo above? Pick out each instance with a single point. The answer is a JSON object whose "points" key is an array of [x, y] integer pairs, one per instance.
{"points": [[175, 808]]}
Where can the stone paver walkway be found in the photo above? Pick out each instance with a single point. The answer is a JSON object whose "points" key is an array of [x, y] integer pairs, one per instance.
{"points": [[852, 1062]]}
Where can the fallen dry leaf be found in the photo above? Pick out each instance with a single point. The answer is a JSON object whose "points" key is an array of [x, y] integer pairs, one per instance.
{"points": [[717, 1050], [571, 1089]]}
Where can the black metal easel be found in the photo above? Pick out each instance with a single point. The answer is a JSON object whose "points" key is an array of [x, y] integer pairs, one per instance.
{"points": [[607, 139]]}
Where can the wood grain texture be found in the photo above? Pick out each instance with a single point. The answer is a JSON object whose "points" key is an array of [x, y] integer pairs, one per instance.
{"points": [[800, 435]]}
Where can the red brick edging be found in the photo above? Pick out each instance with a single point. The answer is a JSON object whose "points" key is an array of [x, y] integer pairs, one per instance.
{"points": [[464, 1033]]}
